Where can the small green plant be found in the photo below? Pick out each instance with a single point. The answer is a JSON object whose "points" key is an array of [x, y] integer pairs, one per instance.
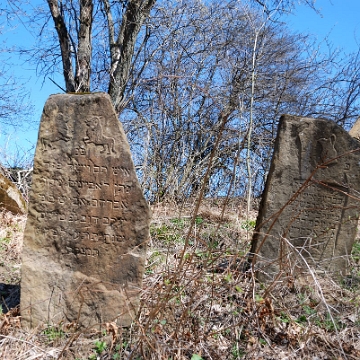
{"points": [[309, 310], [53, 333], [196, 357], [99, 348], [202, 254], [248, 225], [199, 220], [329, 323], [3, 242], [236, 352], [180, 223], [166, 234], [301, 319], [238, 289], [309, 313], [355, 253], [301, 297], [262, 341], [118, 349], [284, 318], [214, 244], [311, 316], [348, 282]]}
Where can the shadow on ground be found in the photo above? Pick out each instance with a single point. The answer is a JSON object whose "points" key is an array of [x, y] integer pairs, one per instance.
{"points": [[9, 296]]}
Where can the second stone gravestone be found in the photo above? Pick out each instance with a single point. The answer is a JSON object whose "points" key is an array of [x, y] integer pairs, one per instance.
{"points": [[11, 198], [88, 222], [310, 206]]}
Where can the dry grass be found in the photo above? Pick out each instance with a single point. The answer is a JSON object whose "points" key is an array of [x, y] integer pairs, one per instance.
{"points": [[202, 305]]}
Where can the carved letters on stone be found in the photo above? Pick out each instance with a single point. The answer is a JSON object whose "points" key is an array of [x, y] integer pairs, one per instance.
{"points": [[310, 205], [88, 223]]}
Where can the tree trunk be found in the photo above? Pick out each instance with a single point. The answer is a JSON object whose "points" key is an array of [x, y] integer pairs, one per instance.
{"points": [[122, 49], [65, 44], [83, 61], [81, 81]]}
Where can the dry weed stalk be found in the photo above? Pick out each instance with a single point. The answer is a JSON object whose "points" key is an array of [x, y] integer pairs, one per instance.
{"points": [[208, 306]]}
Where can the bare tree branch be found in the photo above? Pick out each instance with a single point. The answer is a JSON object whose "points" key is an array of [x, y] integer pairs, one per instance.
{"points": [[123, 49], [65, 44]]}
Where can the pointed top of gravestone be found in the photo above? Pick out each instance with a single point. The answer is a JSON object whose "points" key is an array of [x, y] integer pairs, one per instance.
{"points": [[88, 223]]}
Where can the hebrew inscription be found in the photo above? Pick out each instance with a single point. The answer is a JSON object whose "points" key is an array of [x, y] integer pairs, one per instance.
{"points": [[309, 208], [88, 220]]}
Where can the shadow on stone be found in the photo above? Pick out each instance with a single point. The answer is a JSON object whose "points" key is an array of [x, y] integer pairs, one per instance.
{"points": [[9, 297]]}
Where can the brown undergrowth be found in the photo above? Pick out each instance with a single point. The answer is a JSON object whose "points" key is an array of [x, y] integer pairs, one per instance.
{"points": [[201, 301]]}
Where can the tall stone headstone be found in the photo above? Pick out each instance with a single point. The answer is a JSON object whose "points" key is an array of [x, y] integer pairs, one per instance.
{"points": [[310, 206], [88, 222]]}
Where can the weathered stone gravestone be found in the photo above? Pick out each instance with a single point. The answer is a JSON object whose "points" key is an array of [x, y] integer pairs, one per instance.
{"points": [[310, 206], [88, 222], [355, 130], [11, 198]]}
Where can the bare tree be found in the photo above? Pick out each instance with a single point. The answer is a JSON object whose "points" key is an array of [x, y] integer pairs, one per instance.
{"points": [[122, 45], [188, 72], [97, 40], [204, 71], [284, 6], [339, 93], [82, 27]]}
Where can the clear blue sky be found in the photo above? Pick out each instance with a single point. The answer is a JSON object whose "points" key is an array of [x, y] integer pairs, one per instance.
{"points": [[339, 22]]}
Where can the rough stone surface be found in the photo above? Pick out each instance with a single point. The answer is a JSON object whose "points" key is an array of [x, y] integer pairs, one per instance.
{"points": [[355, 130], [10, 197], [310, 204], [88, 223]]}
